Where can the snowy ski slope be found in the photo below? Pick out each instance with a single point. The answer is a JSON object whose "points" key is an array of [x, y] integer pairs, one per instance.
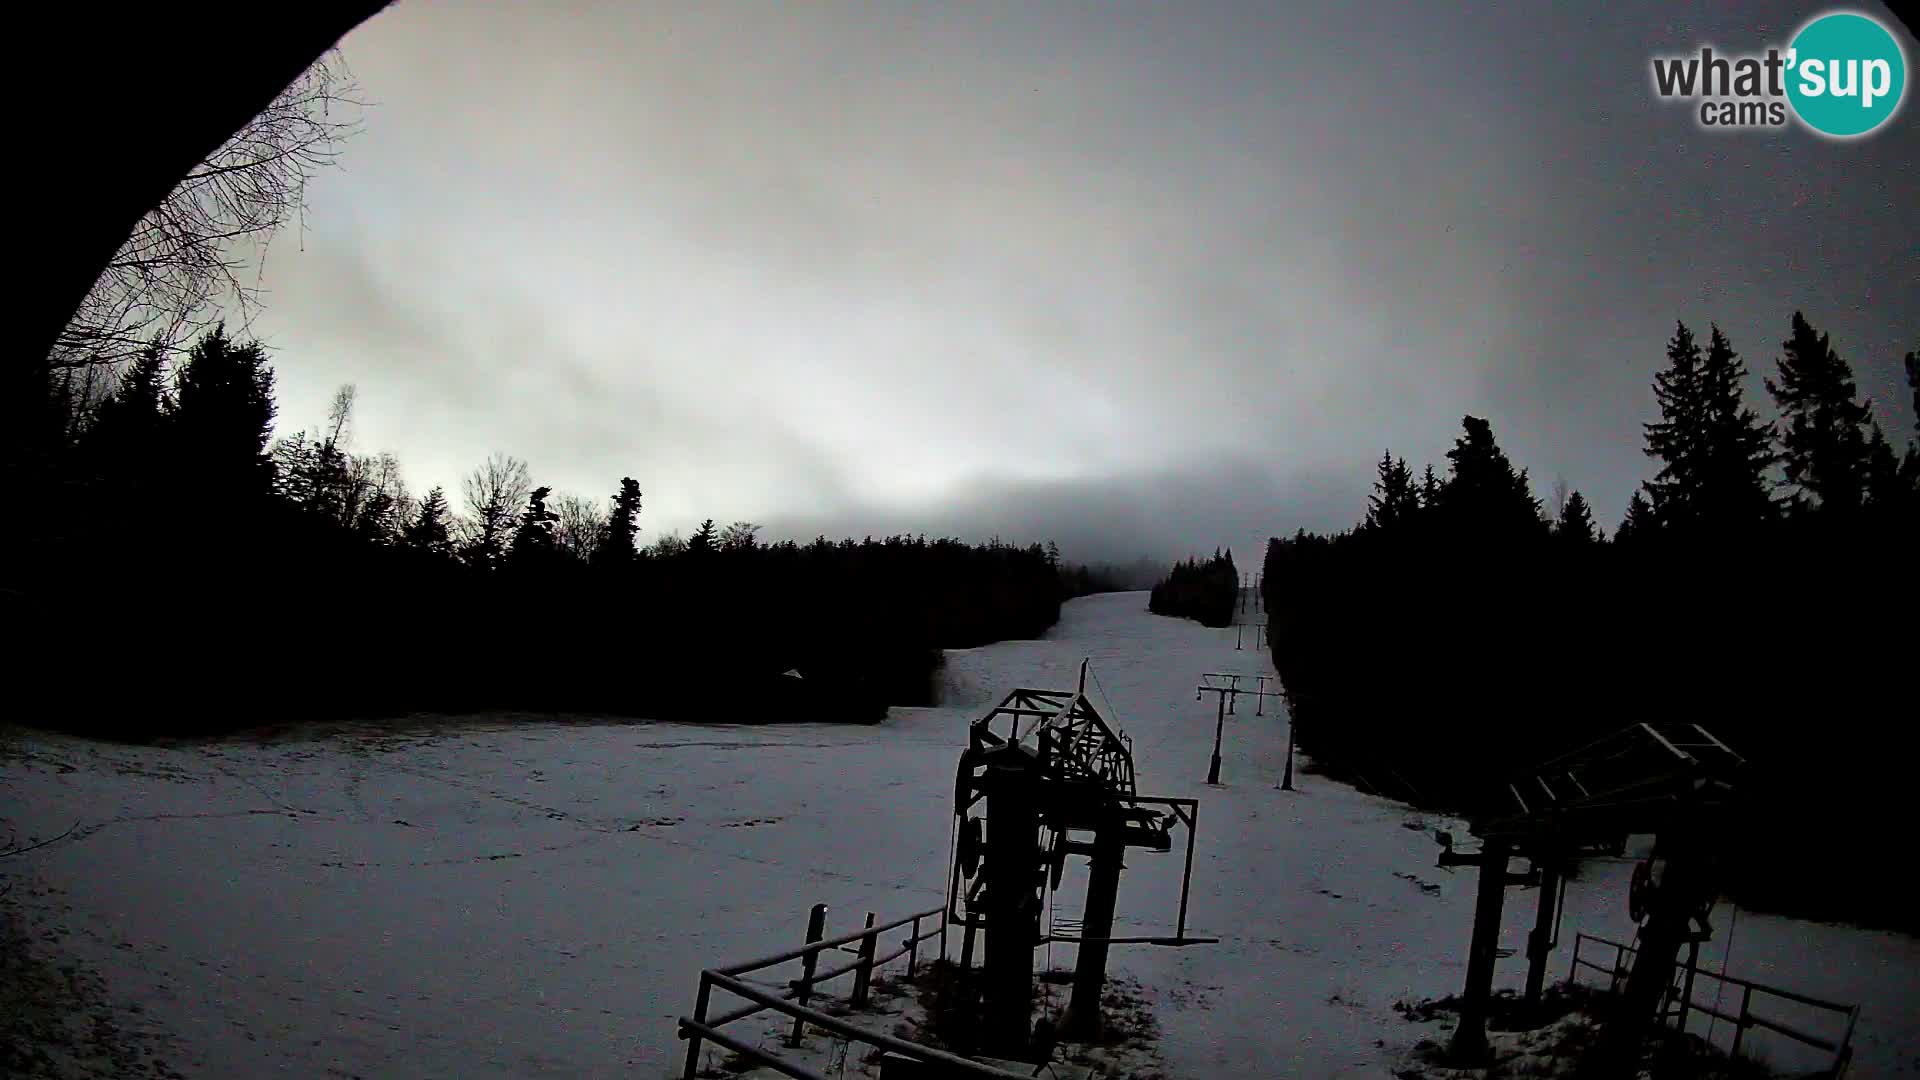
{"points": [[494, 898]]}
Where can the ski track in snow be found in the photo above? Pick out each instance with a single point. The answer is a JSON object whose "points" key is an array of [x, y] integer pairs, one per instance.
{"points": [[536, 898]]}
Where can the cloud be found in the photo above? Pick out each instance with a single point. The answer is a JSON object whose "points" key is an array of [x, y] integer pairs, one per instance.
{"points": [[904, 262], [1168, 514]]}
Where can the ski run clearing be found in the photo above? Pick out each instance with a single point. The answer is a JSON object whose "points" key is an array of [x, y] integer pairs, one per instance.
{"points": [[497, 896]]}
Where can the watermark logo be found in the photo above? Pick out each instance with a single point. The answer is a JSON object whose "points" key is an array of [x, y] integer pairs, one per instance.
{"points": [[1842, 76], [1851, 75]]}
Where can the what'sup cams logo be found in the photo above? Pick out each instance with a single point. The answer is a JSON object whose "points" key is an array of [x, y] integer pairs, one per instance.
{"points": [[1842, 76]]}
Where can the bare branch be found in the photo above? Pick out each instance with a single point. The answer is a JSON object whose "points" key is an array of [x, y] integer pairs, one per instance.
{"points": [[582, 527], [185, 259], [495, 493]]}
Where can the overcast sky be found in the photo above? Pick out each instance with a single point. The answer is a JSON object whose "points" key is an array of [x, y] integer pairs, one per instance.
{"points": [[1144, 278]]}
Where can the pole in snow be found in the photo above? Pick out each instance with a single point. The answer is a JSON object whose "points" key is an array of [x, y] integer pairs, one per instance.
{"points": [[1229, 696], [1219, 723], [1286, 778]]}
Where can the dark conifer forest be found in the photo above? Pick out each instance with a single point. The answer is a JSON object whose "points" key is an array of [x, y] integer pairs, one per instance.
{"points": [[1762, 583], [1203, 591], [182, 571]]}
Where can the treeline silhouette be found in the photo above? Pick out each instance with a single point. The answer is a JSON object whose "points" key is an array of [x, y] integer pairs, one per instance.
{"points": [[1762, 584], [178, 572], [1204, 591]]}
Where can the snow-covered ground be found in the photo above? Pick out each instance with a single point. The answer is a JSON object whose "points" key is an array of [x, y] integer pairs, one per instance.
{"points": [[495, 898]]}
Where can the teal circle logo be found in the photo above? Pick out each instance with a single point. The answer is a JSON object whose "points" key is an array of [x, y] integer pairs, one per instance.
{"points": [[1846, 75]]}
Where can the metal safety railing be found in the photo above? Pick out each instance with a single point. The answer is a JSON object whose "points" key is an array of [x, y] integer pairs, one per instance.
{"points": [[1679, 1001], [863, 944]]}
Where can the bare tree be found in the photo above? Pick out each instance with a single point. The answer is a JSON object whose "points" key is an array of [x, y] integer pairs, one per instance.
{"points": [[186, 258], [495, 493], [738, 536], [338, 484], [667, 545], [582, 528], [381, 503], [363, 493], [340, 414]]}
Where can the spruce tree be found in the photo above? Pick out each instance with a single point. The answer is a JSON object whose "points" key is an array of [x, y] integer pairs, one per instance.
{"points": [[429, 530], [1576, 526], [223, 415], [623, 525], [140, 402], [1823, 447], [1907, 489], [373, 522], [1639, 524], [1735, 445], [707, 537], [1429, 489], [533, 544], [1910, 461], [1485, 497], [127, 437], [1883, 467], [1677, 438], [1396, 501], [1893, 481], [1913, 383], [293, 472]]}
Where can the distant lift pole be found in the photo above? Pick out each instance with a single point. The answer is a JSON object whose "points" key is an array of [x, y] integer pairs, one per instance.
{"points": [[1240, 635], [1226, 687]]}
